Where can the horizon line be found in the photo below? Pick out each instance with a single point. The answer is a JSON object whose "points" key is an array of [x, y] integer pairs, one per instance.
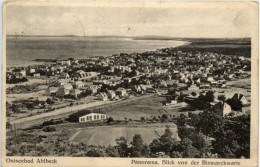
{"points": [[138, 36]]}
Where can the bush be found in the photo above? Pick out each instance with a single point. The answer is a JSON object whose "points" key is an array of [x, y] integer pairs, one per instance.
{"points": [[193, 93], [49, 129], [164, 116], [110, 119]]}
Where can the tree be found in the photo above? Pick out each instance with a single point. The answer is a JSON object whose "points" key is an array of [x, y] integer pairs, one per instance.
{"points": [[235, 104], [194, 119], [209, 123], [189, 151], [155, 146], [233, 139], [49, 101], [29, 106], [110, 119], [181, 120], [164, 116], [222, 97], [139, 149], [166, 140], [142, 119], [122, 147], [15, 108], [96, 152], [8, 125], [112, 152], [208, 97], [176, 154], [200, 142], [185, 132], [193, 93]]}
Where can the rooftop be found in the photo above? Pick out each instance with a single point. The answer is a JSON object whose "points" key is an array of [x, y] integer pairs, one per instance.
{"points": [[84, 112]]}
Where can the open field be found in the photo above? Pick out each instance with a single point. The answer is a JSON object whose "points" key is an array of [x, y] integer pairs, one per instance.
{"points": [[147, 107], [108, 134]]}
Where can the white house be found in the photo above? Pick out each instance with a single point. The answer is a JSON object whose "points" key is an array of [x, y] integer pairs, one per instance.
{"points": [[87, 116], [103, 96], [111, 94]]}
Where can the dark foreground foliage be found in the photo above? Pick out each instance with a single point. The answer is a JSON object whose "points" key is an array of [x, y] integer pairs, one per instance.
{"points": [[203, 135]]}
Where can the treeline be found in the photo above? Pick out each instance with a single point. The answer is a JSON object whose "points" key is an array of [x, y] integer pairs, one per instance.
{"points": [[236, 50], [15, 80], [201, 135]]}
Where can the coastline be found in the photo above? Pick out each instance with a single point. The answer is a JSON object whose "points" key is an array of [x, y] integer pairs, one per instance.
{"points": [[42, 61]]}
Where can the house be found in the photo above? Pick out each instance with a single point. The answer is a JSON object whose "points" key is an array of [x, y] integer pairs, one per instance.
{"points": [[86, 116], [60, 82], [93, 89], [170, 102], [151, 90], [103, 96], [62, 92], [230, 76], [121, 92], [75, 93], [67, 86], [241, 98], [80, 75], [19, 72], [36, 75], [51, 91], [111, 94], [65, 76], [100, 82], [162, 84], [127, 80], [146, 81], [193, 87], [78, 84], [205, 86], [222, 109], [60, 69], [31, 70], [138, 89], [64, 62]]}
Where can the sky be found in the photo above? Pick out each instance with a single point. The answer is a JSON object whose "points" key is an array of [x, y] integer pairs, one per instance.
{"points": [[211, 21]]}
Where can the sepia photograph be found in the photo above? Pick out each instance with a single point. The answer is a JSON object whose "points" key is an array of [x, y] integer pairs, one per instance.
{"points": [[145, 81]]}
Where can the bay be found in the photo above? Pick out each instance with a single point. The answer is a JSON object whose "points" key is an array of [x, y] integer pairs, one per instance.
{"points": [[21, 51]]}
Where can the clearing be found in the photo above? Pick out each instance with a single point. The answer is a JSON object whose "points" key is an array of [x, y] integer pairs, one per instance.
{"points": [[106, 135]]}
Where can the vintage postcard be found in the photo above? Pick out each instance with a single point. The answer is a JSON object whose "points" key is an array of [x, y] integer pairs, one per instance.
{"points": [[129, 84]]}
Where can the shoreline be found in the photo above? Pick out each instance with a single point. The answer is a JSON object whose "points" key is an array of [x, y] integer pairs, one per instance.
{"points": [[42, 61]]}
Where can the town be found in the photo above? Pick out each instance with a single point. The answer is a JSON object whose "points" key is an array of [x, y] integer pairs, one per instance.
{"points": [[147, 90]]}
